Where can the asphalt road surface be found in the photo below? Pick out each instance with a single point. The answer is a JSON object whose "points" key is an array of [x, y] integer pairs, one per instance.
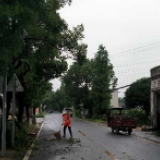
{"points": [[91, 142]]}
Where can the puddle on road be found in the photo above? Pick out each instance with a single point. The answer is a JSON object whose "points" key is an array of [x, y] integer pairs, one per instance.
{"points": [[81, 133], [110, 155]]}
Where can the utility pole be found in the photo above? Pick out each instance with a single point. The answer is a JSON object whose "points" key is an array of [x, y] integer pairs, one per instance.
{"points": [[13, 110], [4, 113], [14, 86]]}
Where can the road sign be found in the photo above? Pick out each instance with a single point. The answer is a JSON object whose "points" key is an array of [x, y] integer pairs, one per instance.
{"points": [[10, 86]]}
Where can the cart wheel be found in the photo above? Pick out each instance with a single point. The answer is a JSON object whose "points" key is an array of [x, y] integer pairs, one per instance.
{"points": [[112, 129], [129, 131]]}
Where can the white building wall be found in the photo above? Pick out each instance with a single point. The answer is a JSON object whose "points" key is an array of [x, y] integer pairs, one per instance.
{"points": [[114, 100]]}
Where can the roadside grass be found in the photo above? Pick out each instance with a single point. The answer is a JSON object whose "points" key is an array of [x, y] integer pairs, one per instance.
{"points": [[42, 115], [32, 129], [24, 137], [35, 145]]}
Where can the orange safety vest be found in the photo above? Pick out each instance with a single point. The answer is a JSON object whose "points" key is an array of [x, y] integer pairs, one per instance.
{"points": [[67, 120]]}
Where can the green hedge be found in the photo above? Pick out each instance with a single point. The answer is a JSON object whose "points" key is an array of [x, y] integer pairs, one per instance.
{"points": [[140, 115], [77, 113], [22, 139], [42, 115]]}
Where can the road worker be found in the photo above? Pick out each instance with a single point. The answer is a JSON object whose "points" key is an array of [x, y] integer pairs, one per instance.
{"points": [[67, 123]]}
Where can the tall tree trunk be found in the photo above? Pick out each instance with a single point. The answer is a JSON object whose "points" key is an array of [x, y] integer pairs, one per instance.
{"points": [[1, 102], [20, 98], [42, 107], [34, 116], [9, 98], [27, 112]]}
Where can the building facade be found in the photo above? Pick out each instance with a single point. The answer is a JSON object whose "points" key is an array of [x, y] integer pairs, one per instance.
{"points": [[155, 96], [114, 100]]}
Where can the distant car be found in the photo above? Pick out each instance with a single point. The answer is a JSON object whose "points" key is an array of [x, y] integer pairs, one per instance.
{"points": [[51, 111], [65, 110]]}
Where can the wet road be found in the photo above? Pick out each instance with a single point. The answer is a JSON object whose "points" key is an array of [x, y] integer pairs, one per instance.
{"points": [[96, 142]]}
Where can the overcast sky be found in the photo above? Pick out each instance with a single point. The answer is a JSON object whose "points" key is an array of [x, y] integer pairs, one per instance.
{"points": [[129, 29]]}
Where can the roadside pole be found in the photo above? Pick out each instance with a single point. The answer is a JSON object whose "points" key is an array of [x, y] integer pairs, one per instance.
{"points": [[14, 86], [4, 115], [13, 110]]}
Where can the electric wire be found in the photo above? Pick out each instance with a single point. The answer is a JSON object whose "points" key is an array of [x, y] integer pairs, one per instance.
{"points": [[138, 49], [138, 63]]}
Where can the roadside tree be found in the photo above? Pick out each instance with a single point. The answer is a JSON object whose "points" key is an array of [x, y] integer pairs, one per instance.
{"points": [[74, 81], [33, 38], [138, 94], [101, 86]]}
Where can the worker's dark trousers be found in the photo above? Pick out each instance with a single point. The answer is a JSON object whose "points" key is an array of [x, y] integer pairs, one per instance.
{"points": [[64, 131]]}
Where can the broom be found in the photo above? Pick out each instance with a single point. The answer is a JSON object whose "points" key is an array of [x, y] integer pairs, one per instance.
{"points": [[58, 134]]}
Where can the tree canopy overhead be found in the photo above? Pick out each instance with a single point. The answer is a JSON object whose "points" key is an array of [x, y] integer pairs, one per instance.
{"points": [[33, 40]]}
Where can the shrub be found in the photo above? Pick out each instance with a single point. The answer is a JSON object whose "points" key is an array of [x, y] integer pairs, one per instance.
{"points": [[77, 113], [42, 115], [139, 115], [104, 117], [95, 116], [22, 139]]}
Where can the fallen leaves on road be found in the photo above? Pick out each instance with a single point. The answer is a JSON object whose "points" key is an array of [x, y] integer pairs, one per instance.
{"points": [[81, 133], [110, 155]]}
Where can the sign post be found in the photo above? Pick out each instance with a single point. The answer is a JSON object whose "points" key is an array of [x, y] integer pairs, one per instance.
{"points": [[13, 111], [4, 115], [13, 86]]}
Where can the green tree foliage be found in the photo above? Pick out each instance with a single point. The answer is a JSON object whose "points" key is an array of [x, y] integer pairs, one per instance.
{"points": [[138, 94], [57, 100], [33, 38], [80, 55], [103, 77], [121, 102], [89, 82], [77, 83], [139, 115]]}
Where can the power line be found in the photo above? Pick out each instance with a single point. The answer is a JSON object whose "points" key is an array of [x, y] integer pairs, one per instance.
{"points": [[142, 48], [132, 73], [123, 87], [129, 85], [138, 63], [133, 70]]}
